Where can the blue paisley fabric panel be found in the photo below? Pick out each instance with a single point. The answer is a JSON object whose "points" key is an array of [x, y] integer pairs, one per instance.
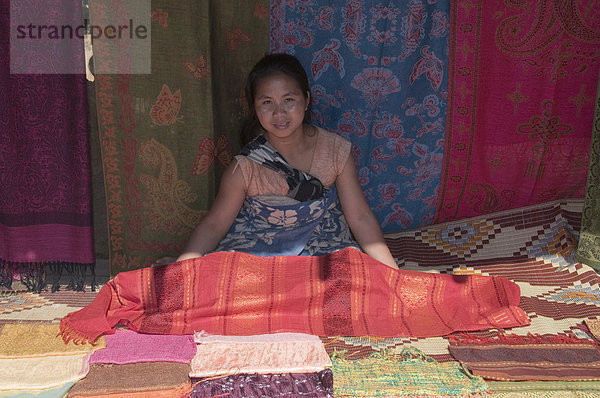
{"points": [[378, 71]]}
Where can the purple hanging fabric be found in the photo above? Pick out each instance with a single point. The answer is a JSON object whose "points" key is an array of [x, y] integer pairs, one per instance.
{"points": [[45, 183]]}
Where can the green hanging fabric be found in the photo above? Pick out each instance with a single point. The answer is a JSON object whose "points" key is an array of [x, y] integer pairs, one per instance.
{"points": [[588, 251], [166, 137]]}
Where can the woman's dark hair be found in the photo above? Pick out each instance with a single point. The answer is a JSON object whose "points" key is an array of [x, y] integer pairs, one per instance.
{"points": [[269, 65]]}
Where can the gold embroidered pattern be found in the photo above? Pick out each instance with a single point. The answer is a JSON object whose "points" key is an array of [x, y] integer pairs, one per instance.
{"points": [[543, 129], [543, 35], [166, 205]]}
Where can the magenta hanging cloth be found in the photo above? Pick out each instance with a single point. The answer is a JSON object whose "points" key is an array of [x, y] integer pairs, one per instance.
{"points": [[521, 95], [45, 183]]}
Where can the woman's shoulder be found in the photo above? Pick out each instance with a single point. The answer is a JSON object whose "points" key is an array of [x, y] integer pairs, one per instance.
{"points": [[331, 136], [331, 142], [333, 149]]}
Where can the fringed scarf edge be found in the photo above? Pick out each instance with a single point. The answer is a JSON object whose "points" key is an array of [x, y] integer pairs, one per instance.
{"points": [[37, 276], [87, 324], [503, 338]]}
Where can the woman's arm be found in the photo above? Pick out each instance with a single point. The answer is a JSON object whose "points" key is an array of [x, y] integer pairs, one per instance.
{"points": [[360, 217], [215, 224]]}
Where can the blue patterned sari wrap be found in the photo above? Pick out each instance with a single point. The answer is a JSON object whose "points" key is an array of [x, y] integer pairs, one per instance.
{"points": [[267, 227]]}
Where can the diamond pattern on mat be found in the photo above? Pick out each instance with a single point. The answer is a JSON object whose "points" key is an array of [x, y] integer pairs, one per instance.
{"points": [[553, 242], [532, 315], [71, 298], [467, 270], [463, 240], [11, 302], [577, 293]]}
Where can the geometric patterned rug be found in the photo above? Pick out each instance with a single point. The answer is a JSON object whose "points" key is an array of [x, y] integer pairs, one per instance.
{"points": [[534, 247], [44, 307]]}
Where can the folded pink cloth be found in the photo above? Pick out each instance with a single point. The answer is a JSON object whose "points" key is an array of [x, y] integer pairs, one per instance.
{"points": [[126, 346]]}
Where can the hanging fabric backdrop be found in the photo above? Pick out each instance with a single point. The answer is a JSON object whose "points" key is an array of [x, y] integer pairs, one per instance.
{"points": [[166, 136], [455, 109], [523, 80], [378, 75], [45, 190]]}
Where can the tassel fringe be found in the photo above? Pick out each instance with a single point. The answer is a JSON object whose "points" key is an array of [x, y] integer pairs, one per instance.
{"points": [[38, 276], [69, 334], [513, 339]]}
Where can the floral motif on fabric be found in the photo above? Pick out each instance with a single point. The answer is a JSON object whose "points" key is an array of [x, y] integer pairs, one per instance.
{"points": [[198, 68], [536, 35], [508, 60], [161, 17], [543, 129], [235, 37], [166, 109], [376, 84], [314, 227]]}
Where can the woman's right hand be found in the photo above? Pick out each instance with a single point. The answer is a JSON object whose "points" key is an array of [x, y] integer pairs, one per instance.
{"points": [[188, 255], [163, 261]]}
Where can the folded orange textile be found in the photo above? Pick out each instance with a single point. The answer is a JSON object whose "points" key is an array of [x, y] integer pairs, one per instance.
{"points": [[183, 391], [345, 293]]}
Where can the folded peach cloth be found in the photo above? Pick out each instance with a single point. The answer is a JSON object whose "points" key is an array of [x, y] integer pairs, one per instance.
{"points": [[263, 354], [35, 340]]}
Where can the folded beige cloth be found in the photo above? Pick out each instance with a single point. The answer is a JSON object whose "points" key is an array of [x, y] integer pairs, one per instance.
{"points": [[34, 357]]}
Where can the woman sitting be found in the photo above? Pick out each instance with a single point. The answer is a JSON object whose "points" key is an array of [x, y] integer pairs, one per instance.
{"points": [[293, 190]]}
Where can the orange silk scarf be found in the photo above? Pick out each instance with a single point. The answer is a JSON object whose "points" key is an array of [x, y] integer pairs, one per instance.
{"points": [[345, 293]]}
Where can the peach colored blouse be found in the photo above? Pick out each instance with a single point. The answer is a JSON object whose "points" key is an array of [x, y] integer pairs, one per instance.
{"points": [[331, 154]]}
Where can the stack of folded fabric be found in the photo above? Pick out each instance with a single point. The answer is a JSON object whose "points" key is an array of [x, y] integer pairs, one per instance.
{"points": [[509, 357], [542, 365], [139, 365], [34, 360], [273, 365]]}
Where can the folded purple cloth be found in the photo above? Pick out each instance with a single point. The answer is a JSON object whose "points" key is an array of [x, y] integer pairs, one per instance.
{"points": [[126, 346]]}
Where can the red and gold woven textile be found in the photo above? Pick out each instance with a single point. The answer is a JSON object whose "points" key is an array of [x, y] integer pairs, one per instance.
{"points": [[345, 293]]}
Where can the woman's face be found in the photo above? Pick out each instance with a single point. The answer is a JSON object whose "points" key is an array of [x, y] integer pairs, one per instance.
{"points": [[280, 105]]}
